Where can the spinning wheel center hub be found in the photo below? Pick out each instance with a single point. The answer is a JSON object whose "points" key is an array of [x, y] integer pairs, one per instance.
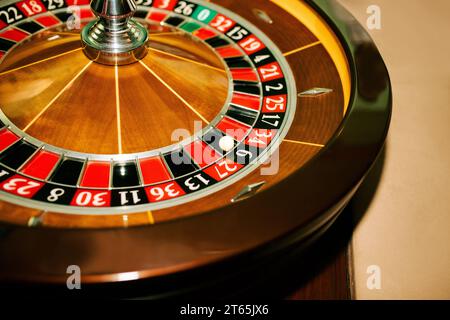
{"points": [[114, 38]]}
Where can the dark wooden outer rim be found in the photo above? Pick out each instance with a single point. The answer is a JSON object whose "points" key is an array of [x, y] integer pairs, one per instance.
{"points": [[303, 202]]}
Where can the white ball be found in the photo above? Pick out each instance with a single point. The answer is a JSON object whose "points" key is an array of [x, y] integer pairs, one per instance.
{"points": [[226, 143]]}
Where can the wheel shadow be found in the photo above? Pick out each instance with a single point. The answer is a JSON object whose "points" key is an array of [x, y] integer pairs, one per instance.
{"points": [[320, 272]]}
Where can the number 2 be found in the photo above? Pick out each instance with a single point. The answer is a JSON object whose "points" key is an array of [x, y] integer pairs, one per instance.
{"points": [[184, 8]]}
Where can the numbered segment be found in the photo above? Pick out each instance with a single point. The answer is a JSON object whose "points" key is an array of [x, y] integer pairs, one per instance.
{"points": [[260, 138], [271, 71], [196, 182], [223, 169], [163, 4], [222, 23], [21, 186], [92, 198], [165, 191], [31, 7], [55, 194], [57, 4], [11, 14], [132, 197], [185, 8], [275, 104]]}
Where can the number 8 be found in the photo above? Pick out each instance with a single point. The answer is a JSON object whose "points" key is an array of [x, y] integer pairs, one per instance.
{"points": [[55, 194]]}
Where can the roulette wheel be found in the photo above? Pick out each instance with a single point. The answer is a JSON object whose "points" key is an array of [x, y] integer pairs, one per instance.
{"points": [[147, 139]]}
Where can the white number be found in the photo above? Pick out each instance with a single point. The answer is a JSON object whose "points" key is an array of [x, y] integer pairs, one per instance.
{"points": [[261, 137], [270, 72], [222, 23], [251, 45], [55, 194], [4, 173], [85, 198], [273, 104], [237, 33], [195, 186], [244, 153], [52, 6], [275, 123], [279, 87], [203, 15], [258, 59], [23, 190], [184, 8], [14, 15], [159, 193], [35, 7], [228, 169]]}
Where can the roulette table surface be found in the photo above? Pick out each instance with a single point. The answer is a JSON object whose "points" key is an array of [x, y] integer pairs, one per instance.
{"points": [[162, 145]]}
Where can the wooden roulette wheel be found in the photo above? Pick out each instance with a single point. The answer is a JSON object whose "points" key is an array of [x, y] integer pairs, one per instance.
{"points": [[183, 138]]}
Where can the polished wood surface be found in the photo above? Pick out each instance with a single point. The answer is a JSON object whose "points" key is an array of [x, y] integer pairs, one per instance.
{"points": [[279, 217], [180, 82], [48, 105]]}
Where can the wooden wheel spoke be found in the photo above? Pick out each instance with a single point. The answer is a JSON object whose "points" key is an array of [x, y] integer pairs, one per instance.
{"points": [[187, 59], [187, 104], [119, 125], [286, 54], [304, 143], [57, 96], [39, 61]]}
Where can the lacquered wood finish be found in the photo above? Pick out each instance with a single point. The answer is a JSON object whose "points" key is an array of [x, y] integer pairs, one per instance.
{"points": [[314, 183], [150, 112]]}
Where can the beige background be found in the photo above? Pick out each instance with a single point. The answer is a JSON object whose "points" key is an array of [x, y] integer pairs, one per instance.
{"points": [[406, 228]]}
